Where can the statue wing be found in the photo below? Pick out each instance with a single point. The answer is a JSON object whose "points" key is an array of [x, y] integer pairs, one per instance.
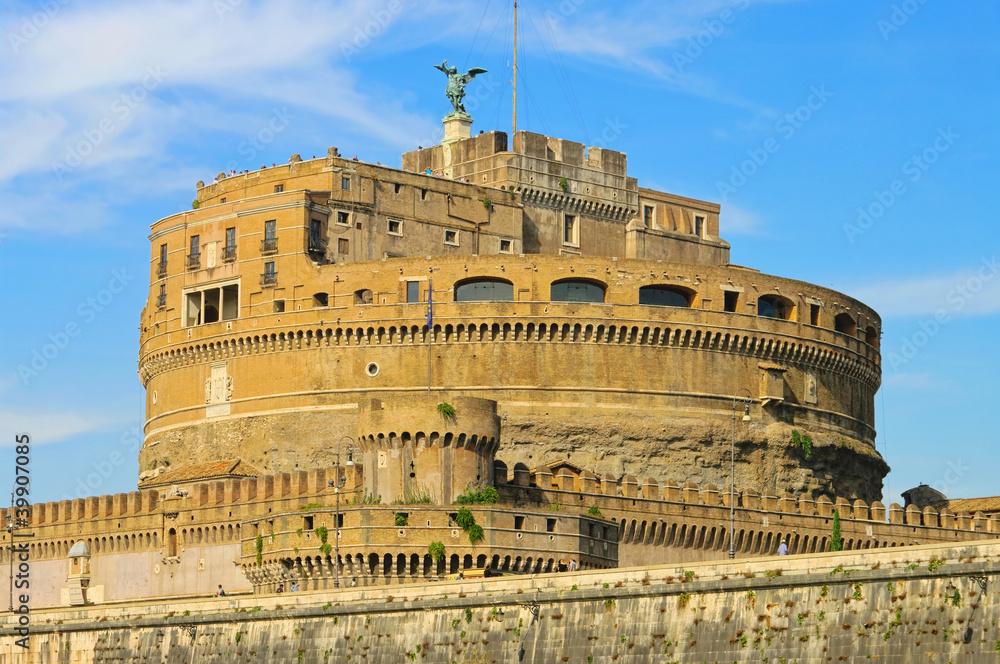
{"points": [[474, 71]]}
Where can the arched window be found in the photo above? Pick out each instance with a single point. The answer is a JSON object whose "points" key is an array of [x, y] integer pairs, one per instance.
{"points": [[484, 290], [844, 323], [871, 337], [363, 296], [774, 306], [577, 290], [665, 296]]}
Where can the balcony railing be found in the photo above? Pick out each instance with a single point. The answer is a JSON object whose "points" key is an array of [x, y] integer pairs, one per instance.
{"points": [[228, 254], [161, 301], [194, 261], [269, 279], [269, 245], [317, 245], [161, 269]]}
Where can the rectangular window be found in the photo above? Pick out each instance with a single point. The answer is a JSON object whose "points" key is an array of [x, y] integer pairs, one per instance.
{"points": [[395, 227], [308, 523], [814, 314], [229, 251], [222, 200], [279, 306], [161, 301], [505, 246], [451, 237], [278, 188], [570, 230], [550, 525], [345, 183], [163, 254], [647, 216], [343, 219], [270, 276], [194, 253], [343, 246], [161, 269], [518, 523], [396, 187], [699, 226], [412, 291], [269, 245], [732, 298]]}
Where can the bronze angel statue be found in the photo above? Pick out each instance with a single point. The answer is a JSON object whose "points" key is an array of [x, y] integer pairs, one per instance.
{"points": [[457, 83]]}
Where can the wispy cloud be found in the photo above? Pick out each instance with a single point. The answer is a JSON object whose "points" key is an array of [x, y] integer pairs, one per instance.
{"points": [[735, 220], [50, 427], [970, 292]]}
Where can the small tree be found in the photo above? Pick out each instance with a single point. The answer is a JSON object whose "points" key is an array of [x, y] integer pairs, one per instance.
{"points": [[836, 542], [436, 549]]}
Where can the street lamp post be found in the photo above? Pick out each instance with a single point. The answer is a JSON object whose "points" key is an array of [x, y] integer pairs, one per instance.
{"points": [[337, 484], [747, 400]]}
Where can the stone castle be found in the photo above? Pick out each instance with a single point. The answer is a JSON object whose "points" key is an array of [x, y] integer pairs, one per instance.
{"points": [[336, 352]]}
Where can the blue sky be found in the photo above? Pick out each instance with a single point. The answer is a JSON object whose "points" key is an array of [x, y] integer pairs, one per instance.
{"points": [[110, 112]]}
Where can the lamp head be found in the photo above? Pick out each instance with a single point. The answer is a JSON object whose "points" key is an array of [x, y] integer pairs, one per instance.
{"points": [[746, 412], [350, 457]]}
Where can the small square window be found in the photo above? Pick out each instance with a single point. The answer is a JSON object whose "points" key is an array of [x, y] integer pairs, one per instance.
{"points": [[345, 183], [505, 246], [550, 525], [279, 306], [518, 523], [343, 219], [412, 291], [395, 227], [451, 237], [343, 245], [222, 200], [731, 300], [278, 188]]}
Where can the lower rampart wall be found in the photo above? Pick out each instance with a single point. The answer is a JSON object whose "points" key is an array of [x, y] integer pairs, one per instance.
{"points": [[921, 604]]}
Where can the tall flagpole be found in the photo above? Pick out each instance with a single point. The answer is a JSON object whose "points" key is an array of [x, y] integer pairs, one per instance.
{"points": [[430, 328], [515, 68]]}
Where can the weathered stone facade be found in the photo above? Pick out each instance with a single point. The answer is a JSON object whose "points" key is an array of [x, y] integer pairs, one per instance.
{"points": [[295, 293], [900, 606]]}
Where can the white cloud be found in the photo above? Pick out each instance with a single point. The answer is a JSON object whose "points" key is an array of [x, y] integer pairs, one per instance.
{"points": [[735, 220], [970, 292], [49, 427]]}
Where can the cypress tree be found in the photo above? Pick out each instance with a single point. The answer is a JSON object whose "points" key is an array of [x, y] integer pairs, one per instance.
{"points": [[836, 542]]}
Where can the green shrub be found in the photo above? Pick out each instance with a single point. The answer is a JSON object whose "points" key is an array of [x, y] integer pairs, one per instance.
{"points": [[446, 410], [464, 519], [259, 546], [436, 551], [476, 534], [594, 511], [402, 520], [804, 443], [485, 496]]}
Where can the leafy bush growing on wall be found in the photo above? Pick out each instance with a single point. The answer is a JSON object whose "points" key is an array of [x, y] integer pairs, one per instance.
{"points": [[804, 443], [436, 551], [836, 541]]}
